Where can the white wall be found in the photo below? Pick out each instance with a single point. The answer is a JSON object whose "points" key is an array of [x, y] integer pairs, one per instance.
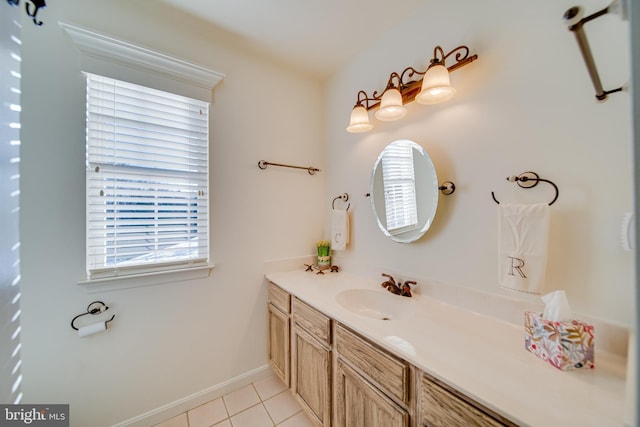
{"points": [[167, 341], [526, 104]]}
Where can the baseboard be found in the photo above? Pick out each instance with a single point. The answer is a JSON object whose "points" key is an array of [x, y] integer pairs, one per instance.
{"points": [[179, 406]]}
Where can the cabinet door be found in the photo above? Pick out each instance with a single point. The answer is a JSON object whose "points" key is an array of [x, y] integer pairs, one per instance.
{"points": [[278, 343], [360, 404], [312, 376]]}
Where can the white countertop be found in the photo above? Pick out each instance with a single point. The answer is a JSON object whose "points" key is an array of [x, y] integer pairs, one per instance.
{"points": [[483, 357]]}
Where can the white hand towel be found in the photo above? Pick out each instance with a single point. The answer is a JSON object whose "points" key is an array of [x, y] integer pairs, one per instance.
{"points": [[339, 229], [524, 234]]}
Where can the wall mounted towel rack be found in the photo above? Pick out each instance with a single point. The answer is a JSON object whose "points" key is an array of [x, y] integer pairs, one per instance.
{"points": [[529, 180], [262, 164], [574, 20], [94, 308], [344, 197]]}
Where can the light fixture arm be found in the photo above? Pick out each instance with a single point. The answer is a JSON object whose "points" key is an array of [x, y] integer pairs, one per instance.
{"points": [[462, 57], [411, 72], [362, 100], [435, 60]]}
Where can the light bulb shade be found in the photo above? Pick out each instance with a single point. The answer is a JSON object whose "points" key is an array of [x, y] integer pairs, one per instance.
{"points": [[359, 121], [391, 107], [436, 86]]}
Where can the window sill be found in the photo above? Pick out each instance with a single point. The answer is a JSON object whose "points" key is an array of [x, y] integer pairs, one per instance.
{"points": [[146, 279]]}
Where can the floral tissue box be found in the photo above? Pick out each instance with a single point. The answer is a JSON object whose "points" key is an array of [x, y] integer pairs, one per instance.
{"points": [[566, 345]]}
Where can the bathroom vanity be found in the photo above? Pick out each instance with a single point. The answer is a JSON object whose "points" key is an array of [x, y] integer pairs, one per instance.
{"points": [[354, 355]]}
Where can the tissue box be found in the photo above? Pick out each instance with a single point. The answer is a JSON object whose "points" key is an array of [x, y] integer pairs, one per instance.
{"points": [[566, 345]]}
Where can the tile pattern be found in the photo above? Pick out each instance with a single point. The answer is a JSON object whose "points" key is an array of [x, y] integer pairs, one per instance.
{"points": [[265, 403]]}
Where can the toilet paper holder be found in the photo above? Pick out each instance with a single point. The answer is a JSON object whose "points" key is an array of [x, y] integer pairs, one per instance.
{"points": [[94, 308]]}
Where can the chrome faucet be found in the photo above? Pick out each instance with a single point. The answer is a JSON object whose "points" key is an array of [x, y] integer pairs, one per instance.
{"points": [[398, 289]]}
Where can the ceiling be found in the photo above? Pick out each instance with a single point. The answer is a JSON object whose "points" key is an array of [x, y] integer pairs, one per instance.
{"points": [[316, 36]]}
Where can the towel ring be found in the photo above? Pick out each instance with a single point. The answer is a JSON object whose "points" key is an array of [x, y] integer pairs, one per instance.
{"points": [[529, 180], [344, 197]]}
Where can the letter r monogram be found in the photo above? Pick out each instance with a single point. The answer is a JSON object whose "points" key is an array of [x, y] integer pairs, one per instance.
{"points": [[517, 264]]}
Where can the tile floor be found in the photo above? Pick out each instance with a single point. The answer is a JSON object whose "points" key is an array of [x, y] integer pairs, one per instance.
{"points": [[264, 403]]}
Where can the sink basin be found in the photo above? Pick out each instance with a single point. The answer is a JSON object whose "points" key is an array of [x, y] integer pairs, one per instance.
{"points": [[375, 304]]}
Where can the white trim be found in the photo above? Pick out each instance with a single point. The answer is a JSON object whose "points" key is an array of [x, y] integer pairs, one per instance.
{"points": [[106, 48], [146, 279], [179, 406]]}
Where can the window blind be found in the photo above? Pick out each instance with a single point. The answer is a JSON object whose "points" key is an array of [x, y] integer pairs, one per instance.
{"points": [[10, 279], [399, 188], [147, 179]]}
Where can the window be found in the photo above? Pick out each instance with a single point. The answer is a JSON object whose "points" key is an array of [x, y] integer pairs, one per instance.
{"points": [[147, 179], [399, 187], [147, 154]]}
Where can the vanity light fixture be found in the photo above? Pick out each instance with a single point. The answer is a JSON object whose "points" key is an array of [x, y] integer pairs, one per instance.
{"points": [[432, 88], [391, 107], [436, 85], [359, 121]]}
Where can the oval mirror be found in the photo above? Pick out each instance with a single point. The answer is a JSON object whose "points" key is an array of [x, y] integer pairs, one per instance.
{"points": [[404, 191]]}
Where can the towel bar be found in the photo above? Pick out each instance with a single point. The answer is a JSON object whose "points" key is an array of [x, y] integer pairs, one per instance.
{"points": [[262, 164], [575, 22]]}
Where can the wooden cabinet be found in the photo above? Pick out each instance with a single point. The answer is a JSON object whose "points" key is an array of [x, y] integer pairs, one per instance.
{"points": [[311, 361], [443, 406], [372, 385], [278, 332], [341, 378], [360, 404]]}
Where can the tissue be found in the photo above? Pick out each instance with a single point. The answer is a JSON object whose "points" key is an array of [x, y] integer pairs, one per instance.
{"points": [[556, 307], [92, 329], [554, 336]]}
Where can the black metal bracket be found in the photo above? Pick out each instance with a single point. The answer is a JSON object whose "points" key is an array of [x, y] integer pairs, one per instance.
{"points": [[37, 4], [447, 188]]}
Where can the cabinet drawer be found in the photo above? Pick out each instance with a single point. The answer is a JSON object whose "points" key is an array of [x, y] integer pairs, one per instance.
{"points": [[391, 373], [443, 408], [279, 298], [314, 322]]}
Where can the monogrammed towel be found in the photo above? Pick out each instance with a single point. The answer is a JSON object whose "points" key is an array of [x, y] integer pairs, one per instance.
{"points": [[524, 234], [339, 229]]}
